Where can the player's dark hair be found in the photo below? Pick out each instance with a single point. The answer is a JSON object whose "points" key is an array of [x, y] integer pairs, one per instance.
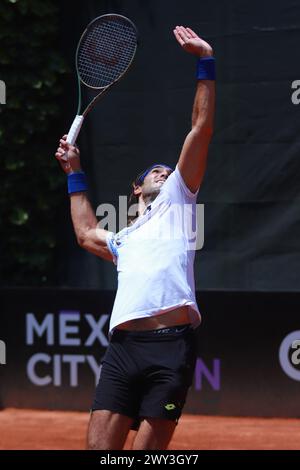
{"points": [[132, 199]]}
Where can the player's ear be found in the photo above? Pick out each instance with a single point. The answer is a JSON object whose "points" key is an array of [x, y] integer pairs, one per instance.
{"points": [[137, 189]]}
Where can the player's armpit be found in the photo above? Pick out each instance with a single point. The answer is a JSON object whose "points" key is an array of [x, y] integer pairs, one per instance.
{"points": [[94, 241]]}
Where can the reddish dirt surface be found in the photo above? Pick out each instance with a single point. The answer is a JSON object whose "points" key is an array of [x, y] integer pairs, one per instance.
{"points": [[41, 430]]}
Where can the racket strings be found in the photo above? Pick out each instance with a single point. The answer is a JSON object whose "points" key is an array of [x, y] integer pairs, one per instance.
{"points": [[105, 52]]}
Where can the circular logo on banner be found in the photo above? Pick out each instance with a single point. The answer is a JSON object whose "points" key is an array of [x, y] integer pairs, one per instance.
{"points": [[288, 364]]}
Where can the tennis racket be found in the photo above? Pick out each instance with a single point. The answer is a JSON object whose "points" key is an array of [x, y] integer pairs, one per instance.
{"points": [[104, 53]]}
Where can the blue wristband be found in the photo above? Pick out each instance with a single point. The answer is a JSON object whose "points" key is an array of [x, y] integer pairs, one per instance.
{"points": [[206, 68], [77, 182]]}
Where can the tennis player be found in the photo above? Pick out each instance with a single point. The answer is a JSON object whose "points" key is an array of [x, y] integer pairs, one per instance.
{"points": [[149, 364]]}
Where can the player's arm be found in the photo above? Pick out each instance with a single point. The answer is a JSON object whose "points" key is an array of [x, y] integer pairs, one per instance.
{"points": [[192, 160], [85, 223]]}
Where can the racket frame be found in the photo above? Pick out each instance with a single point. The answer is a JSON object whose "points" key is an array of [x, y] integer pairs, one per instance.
{"points": [[79, 118]]}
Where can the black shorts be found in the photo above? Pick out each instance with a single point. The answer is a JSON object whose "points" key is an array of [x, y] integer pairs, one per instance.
{"points": [[147, 373]]}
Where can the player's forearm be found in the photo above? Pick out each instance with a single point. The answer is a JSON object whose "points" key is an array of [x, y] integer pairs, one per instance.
{"points": [[204, 107], [83, 216]]}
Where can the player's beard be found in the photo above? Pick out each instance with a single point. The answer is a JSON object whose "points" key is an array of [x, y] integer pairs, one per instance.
{"points": [[151, 191]]}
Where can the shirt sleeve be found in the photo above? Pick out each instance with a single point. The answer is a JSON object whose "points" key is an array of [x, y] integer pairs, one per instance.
{"points": [[112, 246], [177, 189]]}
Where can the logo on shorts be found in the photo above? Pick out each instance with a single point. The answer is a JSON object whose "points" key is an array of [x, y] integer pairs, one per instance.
{"points": [[170, 406]]}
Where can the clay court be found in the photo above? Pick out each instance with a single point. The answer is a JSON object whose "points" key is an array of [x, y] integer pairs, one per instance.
{"points": [[50, 430]]}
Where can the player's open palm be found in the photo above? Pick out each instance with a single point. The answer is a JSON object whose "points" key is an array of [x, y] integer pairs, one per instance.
{"points": [[191, 42]]}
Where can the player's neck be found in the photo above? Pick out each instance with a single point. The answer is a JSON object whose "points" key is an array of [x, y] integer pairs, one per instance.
{"points": [[144, 203], [143, 206]]}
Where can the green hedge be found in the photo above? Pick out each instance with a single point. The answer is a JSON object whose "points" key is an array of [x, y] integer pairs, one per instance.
{"points": [[31, 185]]}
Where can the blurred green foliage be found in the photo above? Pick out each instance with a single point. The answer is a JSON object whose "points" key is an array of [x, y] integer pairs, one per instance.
{"points": [[31, 184]]}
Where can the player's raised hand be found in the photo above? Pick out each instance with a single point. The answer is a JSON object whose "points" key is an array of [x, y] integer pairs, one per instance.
{"points": [[68, 156], [191, 42]]}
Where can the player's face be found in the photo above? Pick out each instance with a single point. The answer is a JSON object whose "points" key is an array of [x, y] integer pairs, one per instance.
{"points": [[154, 181]]}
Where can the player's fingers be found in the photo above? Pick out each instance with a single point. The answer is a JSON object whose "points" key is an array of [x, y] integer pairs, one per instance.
{"points": [[64, 144], [181, 42], [185, 38], [62, 158], [60, 153], [192, 33], [186, 32], [182, 37]]}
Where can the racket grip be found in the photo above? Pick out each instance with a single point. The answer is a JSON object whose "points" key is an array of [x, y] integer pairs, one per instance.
{"points": [[74, 129]]}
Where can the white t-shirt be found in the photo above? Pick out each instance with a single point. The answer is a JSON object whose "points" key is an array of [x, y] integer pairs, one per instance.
{"points": [[155, 257]]}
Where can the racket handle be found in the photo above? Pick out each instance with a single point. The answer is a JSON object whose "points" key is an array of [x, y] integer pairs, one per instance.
{"points": [[73, 133], [74, 130]]}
